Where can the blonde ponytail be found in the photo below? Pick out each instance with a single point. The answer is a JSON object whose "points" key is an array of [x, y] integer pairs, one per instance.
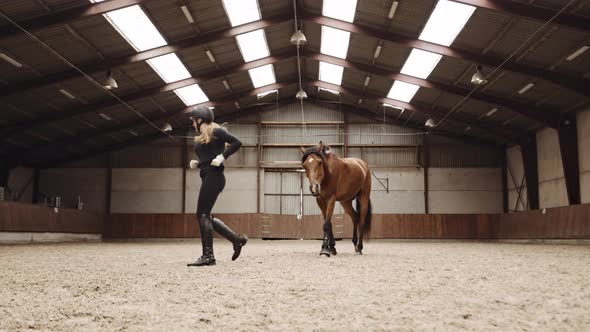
{"points": [[207, 136]]}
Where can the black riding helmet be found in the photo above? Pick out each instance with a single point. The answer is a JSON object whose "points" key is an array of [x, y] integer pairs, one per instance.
{"points": [[204, 113]]}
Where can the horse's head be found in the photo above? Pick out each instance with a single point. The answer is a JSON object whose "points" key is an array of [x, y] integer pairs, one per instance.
{"points": [[313, 161]]}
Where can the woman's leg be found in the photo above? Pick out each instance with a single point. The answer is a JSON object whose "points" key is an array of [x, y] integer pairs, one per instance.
{"points": [[211, 186], [222, 229], [237, 240]]}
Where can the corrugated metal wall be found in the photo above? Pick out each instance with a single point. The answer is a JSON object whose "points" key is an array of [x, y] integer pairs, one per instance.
{"points": [[464, 155], [387, 157], [247, 133], [311, 112], [382, 134], [310, 134], [148, 157], [396, 153], [276, 155]]}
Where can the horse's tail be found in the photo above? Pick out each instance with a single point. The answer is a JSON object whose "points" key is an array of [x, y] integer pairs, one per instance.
{"points": [[367, 225]]}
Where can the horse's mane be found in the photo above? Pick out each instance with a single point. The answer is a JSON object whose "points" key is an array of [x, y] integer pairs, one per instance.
{"points": [[316, 152]]}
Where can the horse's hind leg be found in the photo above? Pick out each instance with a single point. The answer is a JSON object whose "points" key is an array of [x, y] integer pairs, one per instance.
{"points": [[364, 204], [347, 206]]}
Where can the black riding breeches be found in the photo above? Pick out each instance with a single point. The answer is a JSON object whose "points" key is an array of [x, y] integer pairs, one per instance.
{"points": [[212, 185]]}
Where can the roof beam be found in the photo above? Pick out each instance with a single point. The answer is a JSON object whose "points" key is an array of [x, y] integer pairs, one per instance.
{"points": [[79, 139], [576, 84], [134, 141], [67, 16], [532, 12], [542, 115], [90, 152], [93, 133], [104, 65], [243, 112], [130, 124], [498, 132], [372, 115], [53, 117]]}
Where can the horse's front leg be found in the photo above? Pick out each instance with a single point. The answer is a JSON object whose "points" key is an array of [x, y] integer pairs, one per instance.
{"points": [[328, 243]]}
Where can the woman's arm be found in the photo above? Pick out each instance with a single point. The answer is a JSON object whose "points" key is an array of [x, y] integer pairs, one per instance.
{"points": [[225, 136]]}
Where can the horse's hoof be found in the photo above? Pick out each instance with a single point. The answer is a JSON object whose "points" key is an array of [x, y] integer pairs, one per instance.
{"points": [[358, 253], [326, 252]]}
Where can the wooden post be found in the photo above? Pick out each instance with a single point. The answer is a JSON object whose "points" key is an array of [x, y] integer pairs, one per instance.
{"points": [[531, 171], [345, 134], [36, 181], [109, 182], [258, 157], [426, 151], [184, 158], [568, 145], [504, 181]]}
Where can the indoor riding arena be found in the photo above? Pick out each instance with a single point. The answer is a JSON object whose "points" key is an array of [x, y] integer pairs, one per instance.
{"points": [[396, 165]]}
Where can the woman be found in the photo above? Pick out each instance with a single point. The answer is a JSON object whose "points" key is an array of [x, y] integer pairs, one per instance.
{"points": [[211, 153]]}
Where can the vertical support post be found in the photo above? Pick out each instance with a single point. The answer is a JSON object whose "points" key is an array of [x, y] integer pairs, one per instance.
{"points": [[109, 182], [184, 158], [36, 181], [504, 180], [258, 157], [531, 171], [426, 151], [345, 134], [4, 174], [568, 146]]}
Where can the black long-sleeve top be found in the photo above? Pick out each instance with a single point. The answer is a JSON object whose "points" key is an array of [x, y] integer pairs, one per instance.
{"points": [[207, 152]]}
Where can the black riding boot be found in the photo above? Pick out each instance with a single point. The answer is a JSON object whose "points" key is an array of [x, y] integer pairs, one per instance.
{"points": [[205, 225], [237, 240]]}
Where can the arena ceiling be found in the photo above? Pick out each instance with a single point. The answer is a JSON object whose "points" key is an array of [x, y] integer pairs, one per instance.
{"points": [[408, 61]]}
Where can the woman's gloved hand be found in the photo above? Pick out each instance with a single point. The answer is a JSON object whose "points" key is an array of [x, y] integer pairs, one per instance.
{"points": [[194, 164], [218, 160]]}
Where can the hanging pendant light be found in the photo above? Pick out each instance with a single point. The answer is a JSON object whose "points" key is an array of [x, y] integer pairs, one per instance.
{"points": [[430, 123], [478, 78], [166, 127], [301, 95], [110, 83], [298, 38]]}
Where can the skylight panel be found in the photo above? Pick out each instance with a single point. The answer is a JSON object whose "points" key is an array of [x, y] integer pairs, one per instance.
{"points": [[264, 94], [253, 45], [420, 63], [169, 68], [331, 73], [340, 9], [241, 11], [446, 21], [134, 25], [191, 95], [329, 90], [334, 42], [403, 91], [394, 107], [262, 76]]}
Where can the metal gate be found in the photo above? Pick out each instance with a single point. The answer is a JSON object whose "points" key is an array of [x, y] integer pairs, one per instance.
{"points": [[290, 212]]}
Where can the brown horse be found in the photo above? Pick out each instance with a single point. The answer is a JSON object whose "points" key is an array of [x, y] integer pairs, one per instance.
{"points": [[332, 179]]}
